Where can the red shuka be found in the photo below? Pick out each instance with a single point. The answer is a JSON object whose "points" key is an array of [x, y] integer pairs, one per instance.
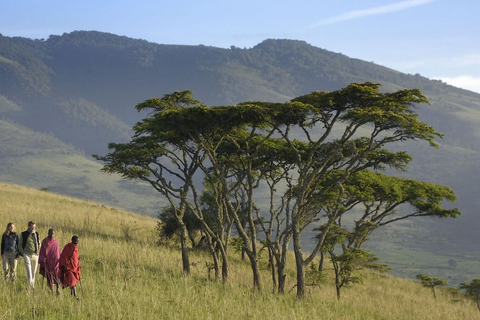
{"points": [[70, 270], [48, 260]]}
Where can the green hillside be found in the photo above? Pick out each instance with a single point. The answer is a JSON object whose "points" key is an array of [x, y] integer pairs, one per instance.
{"points": [[42, 161], [127, 275]]}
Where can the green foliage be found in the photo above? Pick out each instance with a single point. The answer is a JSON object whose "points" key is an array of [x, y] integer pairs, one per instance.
{"points": [[315, 277], [237, 244], [472, 290], [168, 225], [370, 262], [431, 282], [351, 259], [347, 263]]}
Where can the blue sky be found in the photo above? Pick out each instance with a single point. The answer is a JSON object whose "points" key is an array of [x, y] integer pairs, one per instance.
{"points": [[439, 39]]}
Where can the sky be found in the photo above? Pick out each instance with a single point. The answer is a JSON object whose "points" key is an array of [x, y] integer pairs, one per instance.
{"points": [[438, 39]]}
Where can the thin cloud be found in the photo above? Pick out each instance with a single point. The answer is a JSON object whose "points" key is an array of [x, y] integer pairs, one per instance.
{"points": [[371, 12], [469, 60], [466, 82]]}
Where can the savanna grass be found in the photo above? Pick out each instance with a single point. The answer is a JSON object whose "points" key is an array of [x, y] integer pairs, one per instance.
{"points": [[127, 275]]}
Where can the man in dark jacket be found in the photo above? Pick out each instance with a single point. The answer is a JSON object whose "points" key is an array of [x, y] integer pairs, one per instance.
{"points": [[29, 248]]}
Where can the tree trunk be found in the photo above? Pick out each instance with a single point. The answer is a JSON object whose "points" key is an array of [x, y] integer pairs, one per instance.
{"points": [[214, 255], [434, 295], [223, 252], [224, 268], [281, 277], [243, 224], [282, 263], [192, 239], [322, 259], [336, 269], [247, 241], [338, 291], [183, 241], [299, 263], [256, 272], [273, 269], [216, 268]]}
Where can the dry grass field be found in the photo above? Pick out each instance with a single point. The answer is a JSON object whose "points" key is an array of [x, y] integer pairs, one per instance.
{"points": [[127, 275]]}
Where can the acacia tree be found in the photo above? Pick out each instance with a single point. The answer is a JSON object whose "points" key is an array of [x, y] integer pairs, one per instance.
{"points": [[431, 282], [209, 129], [387, 199], [472, 290], [344, 130], [212, 208], [173, 143], [321, 134], [345, 263], [382, 200], [168, 225], [272, 166], [160, 154], [233, 157], [229, 140]]}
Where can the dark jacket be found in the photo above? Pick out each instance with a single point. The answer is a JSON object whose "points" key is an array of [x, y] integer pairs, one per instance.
{"points": [[27, 244], [10, 243]]}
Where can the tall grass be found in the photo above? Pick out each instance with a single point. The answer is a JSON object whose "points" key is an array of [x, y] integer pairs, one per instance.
{"points": [[126, 275]]}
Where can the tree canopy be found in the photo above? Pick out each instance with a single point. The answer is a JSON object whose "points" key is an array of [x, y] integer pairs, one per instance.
{"points": [[317, 155]]}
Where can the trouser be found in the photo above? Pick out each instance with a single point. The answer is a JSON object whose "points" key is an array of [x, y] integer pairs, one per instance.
{"points": [[10, 265], [31, 263]]}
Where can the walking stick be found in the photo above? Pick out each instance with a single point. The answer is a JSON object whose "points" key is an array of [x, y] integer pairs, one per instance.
{"points": [[81, 288]]}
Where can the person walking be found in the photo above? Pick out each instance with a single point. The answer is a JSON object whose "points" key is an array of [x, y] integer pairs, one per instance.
{"points": [[48, 260], [29, 248], [70, 270], [10, 241]]}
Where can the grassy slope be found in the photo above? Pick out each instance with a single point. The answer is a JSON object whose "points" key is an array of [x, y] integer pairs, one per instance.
{"points": [[40, 161], [138, 279]]}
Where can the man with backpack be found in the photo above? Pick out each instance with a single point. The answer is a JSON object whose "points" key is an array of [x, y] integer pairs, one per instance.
{"points": [[29, 248]]}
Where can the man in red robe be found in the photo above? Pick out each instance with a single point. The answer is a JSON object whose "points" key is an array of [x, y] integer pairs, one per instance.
{"points": [[48, 260], [70, 270]]}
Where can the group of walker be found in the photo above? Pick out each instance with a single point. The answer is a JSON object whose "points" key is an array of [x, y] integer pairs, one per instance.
{"points": [[58, 268]]}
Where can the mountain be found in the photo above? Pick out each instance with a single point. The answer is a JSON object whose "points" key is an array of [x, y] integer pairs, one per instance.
{"points": [[65, 98]]}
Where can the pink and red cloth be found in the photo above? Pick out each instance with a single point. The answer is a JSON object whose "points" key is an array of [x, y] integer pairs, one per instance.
{"points": [[48, 260]]}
